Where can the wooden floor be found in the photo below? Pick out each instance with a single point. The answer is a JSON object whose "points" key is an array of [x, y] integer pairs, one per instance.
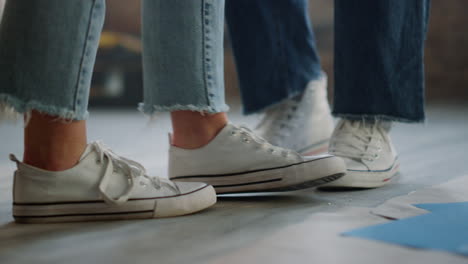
{"points": [[297, 227]]}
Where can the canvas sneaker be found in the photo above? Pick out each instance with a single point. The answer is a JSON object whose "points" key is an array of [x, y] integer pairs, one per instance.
{"points": [[102, 186], [237, 160], [303, 124], [369, 154]]}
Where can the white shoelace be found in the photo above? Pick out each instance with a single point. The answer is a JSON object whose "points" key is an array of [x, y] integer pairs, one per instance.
{"points": [[132, 169], [248, 136], [355, 140]]}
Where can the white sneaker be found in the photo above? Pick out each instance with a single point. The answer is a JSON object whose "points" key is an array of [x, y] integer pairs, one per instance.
{"points": [[102, 186], [303, 124], [238, 161], [369, 154]]}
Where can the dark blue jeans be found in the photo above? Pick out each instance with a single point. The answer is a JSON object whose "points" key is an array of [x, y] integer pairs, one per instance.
{"points": [[378, 62]]}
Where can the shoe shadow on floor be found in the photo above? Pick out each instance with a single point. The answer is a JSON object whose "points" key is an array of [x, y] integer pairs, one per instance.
{"points": [[289, 199], [343, 189], [263, 197]]}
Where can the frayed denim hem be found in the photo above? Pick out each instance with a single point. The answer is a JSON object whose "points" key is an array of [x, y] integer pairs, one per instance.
{"points": [[13, 109], [374, 118], [153, 109]]}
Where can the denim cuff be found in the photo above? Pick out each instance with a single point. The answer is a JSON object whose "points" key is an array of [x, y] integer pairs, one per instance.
{"points": [[12, 108], [378, 117]]}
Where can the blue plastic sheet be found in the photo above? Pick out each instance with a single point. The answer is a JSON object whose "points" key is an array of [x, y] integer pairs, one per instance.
{"points": [[444, 228]]}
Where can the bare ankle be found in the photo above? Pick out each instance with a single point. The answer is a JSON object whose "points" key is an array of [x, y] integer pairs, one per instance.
{"points": [[51, 144], [50, 164], [194, 130]]}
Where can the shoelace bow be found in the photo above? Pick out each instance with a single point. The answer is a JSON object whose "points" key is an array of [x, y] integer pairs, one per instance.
{"points": [[353, 141], [132, 169], [245, 131]]}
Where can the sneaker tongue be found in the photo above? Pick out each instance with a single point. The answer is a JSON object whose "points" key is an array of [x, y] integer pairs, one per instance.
{"points": [[86, 152]]}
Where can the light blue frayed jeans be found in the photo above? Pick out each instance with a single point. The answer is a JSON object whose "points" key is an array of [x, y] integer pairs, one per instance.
{"points": [[48, 49]]}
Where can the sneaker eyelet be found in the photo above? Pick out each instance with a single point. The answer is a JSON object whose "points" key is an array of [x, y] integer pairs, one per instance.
{"points": [[233, 133], [246, 140], [271, 151]]}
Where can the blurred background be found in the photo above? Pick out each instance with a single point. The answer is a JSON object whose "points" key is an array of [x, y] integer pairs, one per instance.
{"points": [[431, 154], [117, 79]]}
